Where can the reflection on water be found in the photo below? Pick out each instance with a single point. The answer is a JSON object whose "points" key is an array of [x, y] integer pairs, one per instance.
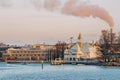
{"points": [[59, 72]]}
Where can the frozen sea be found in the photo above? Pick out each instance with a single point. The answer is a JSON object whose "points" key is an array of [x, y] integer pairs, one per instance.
{"points": [[57, 72]]}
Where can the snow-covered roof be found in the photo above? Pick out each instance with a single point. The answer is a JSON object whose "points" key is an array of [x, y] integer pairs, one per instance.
{"points": [[77, 49]]}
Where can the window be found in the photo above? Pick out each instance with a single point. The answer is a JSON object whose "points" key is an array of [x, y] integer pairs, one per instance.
{"points": [[73, 59], [67, 59], [13, 51]]}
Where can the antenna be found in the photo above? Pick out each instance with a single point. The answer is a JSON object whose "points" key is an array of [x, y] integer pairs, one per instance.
{"points": [[71, 38]]}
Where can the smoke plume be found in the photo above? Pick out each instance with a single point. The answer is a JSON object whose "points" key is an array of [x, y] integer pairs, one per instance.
{"points": [[86, 10], [81, 9], [5, 3], [69, 7], [51, 4]]}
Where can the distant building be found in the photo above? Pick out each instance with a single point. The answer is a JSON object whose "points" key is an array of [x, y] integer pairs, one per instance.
{"points": [[3, 45], [36, 52], [81, 50], [3, 48], [43, 46], [25, 54]]}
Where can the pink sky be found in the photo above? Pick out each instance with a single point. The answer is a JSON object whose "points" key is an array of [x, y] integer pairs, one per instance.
{"points": [[22, 24]]}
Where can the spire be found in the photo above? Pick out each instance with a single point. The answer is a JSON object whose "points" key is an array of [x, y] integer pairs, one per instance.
{"points": [[80, 40], [79, 37]]}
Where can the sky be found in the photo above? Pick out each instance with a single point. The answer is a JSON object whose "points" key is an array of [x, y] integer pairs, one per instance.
{"points": [[28, 22]]}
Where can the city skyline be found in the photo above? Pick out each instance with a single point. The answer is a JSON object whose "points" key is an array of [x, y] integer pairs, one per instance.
{"points": [[26, 22]]}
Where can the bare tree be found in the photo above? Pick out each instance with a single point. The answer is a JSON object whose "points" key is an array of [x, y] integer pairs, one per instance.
{"points": [[60, 47], [119, 38]]}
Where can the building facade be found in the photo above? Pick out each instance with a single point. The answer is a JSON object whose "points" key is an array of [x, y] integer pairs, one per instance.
{"points": [[80, 51], [25, 54]]}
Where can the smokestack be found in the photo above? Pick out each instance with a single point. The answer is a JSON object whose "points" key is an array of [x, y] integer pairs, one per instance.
{"points": [[71, 38], [111, 35]]}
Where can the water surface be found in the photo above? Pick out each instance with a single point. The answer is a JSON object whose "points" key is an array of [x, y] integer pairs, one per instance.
{"points": [[58, 72]]}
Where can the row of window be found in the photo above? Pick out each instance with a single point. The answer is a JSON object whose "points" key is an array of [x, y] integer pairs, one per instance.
{"points": [[69, 54], [71, 59], [28, 54], [76, 59], [27, 51]]}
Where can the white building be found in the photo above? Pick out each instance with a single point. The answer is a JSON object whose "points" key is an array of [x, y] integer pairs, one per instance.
{"points": [[80, 51]]}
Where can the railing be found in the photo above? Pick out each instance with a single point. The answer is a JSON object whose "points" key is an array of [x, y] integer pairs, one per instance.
{"points": [[27, 61]]}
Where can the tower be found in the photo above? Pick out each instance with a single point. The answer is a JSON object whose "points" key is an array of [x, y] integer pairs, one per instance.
{"points": [[80, 40], [71, 38]]}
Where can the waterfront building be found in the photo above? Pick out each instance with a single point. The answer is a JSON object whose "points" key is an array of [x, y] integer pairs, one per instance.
{"points": [[80, 50], [36, 52], [25, 54]]}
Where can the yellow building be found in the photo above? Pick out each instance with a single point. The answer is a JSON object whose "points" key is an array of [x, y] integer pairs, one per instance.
{"points": [[25, 54]]}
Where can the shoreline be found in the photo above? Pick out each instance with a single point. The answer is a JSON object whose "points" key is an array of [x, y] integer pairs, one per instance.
{"points": [[112, 64]]}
